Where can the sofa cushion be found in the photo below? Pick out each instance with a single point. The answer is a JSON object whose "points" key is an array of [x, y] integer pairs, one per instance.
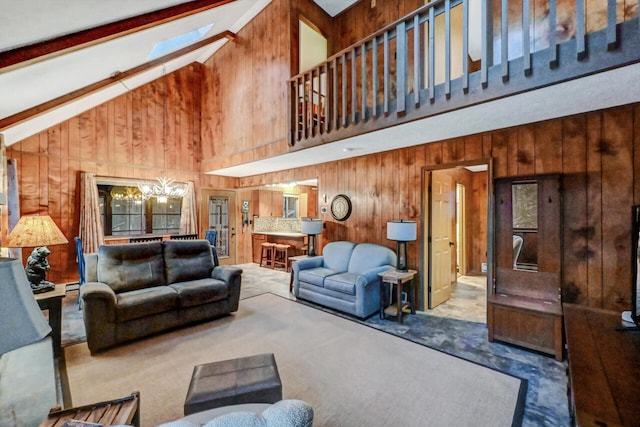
{"points": [[187, 260], [366, 256], [131, 266], [336, 255], [200, 291], [342, 282], [145, 302], [315, 276]]}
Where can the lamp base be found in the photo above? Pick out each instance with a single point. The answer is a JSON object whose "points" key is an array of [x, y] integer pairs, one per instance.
{"points": [[44, 286]]}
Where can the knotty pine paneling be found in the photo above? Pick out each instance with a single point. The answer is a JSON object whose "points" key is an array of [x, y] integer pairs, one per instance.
{"points": [[121, 138], [595, 153]]}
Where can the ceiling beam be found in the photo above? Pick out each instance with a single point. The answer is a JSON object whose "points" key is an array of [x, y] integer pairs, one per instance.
{"points": [[69, 42], [114, 79]]}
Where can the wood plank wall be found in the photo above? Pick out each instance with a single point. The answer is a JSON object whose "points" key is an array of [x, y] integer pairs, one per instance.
{"points": [[121, 138], [595, 153], [244, 89]]}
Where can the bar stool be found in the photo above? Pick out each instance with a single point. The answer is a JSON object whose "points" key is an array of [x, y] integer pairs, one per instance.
{"points": [[268, 252], [281, 256]]}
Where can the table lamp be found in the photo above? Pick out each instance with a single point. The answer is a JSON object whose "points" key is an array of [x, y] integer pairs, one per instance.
{"points": [[36, 231], [312, 227], [403, 232], [22, 320]]}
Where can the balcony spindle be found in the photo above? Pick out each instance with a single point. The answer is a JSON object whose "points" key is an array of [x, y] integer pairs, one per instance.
{"points": [[487, 44], [354, 87], [344, 90], [363, 109], [334, 98], [504, 41], [416, 60], [447, 48], [526, 38], [315, 104], [432, 57], [374, 77], [385, 107], [465, 46], [581, 51], [553, 47], [401, 67], [612, 35]]}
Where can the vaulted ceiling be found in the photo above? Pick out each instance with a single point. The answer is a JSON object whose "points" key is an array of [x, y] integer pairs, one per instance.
{"points": [[101, 50]]}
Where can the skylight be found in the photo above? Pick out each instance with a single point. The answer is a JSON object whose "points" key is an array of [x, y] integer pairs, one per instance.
{"points": [[177, 42]]}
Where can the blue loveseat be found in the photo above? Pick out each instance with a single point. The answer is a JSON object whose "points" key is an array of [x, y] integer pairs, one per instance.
{"points": [[345, 277]]}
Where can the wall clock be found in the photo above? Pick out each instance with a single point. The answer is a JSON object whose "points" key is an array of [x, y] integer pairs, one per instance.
{"points": [[341, 207]]}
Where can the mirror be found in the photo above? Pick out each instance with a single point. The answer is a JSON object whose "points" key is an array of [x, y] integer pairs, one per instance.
{"points": [[298, 199], [524, 196]]}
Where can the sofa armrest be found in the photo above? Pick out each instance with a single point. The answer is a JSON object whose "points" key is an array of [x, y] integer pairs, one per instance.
{"points": [[232, 276], [100, 298], [229, 274], [371, 275], [306, 263]]}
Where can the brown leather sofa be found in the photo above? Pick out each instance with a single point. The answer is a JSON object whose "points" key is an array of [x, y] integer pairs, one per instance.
{"points": [[138, 289]]}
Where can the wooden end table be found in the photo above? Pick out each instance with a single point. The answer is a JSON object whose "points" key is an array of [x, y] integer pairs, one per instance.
{"points": [[52, 301], [123, 411], [400, 279], [292, 260]]}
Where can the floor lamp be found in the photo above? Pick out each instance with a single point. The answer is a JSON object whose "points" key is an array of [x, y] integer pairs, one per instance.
{"points": [[403, 232]]}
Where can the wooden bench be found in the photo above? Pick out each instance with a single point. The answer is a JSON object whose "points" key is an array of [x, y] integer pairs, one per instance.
{"points": [[121, 411]]}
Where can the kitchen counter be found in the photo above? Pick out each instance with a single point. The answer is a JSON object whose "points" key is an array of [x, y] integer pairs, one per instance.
{"points": [[291, 234], [297, 241]]}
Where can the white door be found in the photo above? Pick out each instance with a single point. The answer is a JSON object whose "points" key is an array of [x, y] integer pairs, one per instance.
{"points": [[442, 218]]}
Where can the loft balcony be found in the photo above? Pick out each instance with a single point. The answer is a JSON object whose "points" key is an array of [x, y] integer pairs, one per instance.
{"points": [[453, 54]]}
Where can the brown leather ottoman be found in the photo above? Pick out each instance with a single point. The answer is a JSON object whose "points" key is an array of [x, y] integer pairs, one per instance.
{"points": [[252, 379]]}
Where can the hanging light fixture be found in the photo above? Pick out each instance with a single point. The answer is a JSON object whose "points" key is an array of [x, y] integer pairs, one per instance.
{"points": [[162, 190], [165, 188]]}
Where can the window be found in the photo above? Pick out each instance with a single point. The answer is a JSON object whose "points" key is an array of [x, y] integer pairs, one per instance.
{"points": [[290, 206], [179, 41], [125, 213]]}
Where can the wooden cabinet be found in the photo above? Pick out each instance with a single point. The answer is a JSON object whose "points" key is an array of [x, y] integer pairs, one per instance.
{"points": [[268, 203], [524, 306], [604, 368], [258, 240]]}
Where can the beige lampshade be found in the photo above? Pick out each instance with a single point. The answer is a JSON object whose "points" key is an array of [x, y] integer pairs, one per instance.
{"points": [[34, 231], [21, 319]]}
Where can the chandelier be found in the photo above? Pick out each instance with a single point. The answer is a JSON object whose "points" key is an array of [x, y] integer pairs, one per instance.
{"points": [[162, 190], [126, 193]]}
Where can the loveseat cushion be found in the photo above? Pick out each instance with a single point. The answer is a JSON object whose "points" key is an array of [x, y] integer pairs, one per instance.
{"points": [[200, 291], [337, 254], [315, 276], [145, 302], [132, 266], [366, 256], [187, 260], [342, 282]]}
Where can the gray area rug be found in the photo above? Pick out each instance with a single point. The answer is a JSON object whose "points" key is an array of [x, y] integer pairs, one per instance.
{"points": [[352, 374]]}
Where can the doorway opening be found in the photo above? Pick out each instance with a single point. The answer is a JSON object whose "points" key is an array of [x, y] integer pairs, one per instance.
{"points": [[456, 203]]}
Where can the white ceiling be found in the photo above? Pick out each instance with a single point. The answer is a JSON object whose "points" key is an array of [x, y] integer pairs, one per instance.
{"points": [[334, 7], [31, 85]]}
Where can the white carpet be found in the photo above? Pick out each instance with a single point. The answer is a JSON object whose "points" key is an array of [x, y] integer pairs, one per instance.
{"points": [[351, 374]]}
